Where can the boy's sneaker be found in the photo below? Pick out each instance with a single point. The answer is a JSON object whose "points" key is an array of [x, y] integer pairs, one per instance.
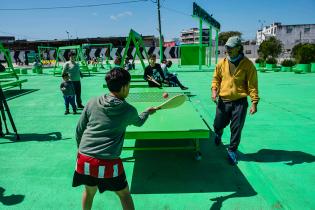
{"points": [[75, 112], [232, 156], [67, 112], [217, 139], [184, 88], [80, 106]]}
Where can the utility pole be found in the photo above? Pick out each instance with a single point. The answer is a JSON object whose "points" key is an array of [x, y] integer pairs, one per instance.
{"points": [[261, 29], [160, 32]]}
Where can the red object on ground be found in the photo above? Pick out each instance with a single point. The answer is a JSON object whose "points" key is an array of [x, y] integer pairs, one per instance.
{"points": [[165, 95]]}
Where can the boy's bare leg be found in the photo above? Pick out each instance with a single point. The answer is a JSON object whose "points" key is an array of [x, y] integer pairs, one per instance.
{"points": [[87, 198], [125, 199]]}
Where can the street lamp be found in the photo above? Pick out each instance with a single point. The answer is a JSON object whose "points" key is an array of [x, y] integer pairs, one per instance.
{"points": [[261, 29], [68, 36]]}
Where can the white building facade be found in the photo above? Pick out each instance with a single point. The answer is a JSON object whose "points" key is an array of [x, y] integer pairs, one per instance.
{"points": [[191, 36], [289, 35]]}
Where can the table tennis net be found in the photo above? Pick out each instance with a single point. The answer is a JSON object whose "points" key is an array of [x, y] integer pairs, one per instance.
{"points": [[150, 97]]}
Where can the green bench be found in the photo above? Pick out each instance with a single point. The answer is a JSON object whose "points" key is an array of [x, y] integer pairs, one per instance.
{"points": [[6, 75], [6, 84]]}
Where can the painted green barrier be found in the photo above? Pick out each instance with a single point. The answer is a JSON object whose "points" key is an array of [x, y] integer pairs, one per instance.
{"points": [[17, 71], [313, 67], [286, 68], [302, 68], [270, 66], [23, 71], [39, 70]]}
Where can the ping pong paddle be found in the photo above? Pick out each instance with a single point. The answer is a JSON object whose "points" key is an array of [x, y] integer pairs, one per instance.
{"points": [[173, 102], [153, 80]]}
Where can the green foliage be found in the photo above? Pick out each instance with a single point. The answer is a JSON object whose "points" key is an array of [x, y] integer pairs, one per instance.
{"points": [[304, 53], [259, 60], [224, 36], [271, 60], [271, 47], [287, 63]]}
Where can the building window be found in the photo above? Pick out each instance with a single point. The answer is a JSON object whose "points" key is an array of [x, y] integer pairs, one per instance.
{"points": [[289, 30], [248, 52], [218, 52], [307, 30]]}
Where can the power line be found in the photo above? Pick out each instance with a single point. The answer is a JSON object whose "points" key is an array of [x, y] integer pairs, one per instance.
{"points": [[71, 7], [176, 11]]}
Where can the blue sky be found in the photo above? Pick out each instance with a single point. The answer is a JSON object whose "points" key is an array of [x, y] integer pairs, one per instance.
{"points": [[116, 20]]}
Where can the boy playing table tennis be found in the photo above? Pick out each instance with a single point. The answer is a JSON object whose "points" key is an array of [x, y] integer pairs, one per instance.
{"points": [[100, 135]]}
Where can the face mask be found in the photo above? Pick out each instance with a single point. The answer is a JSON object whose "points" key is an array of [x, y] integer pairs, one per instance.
{"points": [[234, 59]]}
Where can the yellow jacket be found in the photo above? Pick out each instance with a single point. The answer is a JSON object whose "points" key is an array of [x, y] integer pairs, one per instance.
{"points": [[238, 84]]}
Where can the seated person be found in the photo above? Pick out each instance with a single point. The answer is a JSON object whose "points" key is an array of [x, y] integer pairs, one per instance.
{"points": [[153, 73], [171, 77], [117, 61], [2, 68], [128, 65]]}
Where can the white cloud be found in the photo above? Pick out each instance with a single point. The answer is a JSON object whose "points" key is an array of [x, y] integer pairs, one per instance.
{"points": [[121, 15]]}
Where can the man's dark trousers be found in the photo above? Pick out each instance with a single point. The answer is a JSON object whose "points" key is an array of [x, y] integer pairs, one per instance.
{"points": [[233, 112]]}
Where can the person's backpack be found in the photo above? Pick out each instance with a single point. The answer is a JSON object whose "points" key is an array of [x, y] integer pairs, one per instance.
{"points": [[2, 68]]}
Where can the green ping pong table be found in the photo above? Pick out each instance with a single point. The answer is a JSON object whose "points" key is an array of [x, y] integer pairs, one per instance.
{"points": [[135, 84], [140, 85], [182, 123], [156, 90], [137, 80]]}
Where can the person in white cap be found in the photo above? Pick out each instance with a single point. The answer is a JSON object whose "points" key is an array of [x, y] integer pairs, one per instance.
{"points": [[234, 78]]}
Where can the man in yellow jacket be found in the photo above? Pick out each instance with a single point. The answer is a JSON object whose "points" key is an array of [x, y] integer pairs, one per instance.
{"points": [[234, 78]]}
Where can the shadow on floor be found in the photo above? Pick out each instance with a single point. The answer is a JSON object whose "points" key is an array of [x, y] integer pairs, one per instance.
{"points": [[10, 199], [52, 136], [11, 94], [269, 155], [162, 172]]}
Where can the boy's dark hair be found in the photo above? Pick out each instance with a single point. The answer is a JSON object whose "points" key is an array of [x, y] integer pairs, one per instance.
{"points": [[117, 78], [152, 56], [169, 63], [65, 74]]}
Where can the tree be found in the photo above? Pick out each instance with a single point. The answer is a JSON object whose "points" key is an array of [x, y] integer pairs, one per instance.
{"points": [[304, 53], [271, 47], [224, 36]]}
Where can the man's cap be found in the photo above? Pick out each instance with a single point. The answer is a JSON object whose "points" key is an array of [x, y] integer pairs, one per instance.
{"points": [[233, 41]]}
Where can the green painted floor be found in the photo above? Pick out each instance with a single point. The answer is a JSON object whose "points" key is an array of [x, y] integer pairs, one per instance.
{"points": [[277, 152]]}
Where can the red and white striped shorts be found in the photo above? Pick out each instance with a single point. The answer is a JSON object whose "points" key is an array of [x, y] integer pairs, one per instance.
{"points": [[99, 168]]}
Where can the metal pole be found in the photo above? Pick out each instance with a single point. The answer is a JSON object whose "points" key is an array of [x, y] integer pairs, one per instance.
{"points": [[261, 30], [68, 37], [200, 43], [216, 45], [160, 32], [210, 45]]}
